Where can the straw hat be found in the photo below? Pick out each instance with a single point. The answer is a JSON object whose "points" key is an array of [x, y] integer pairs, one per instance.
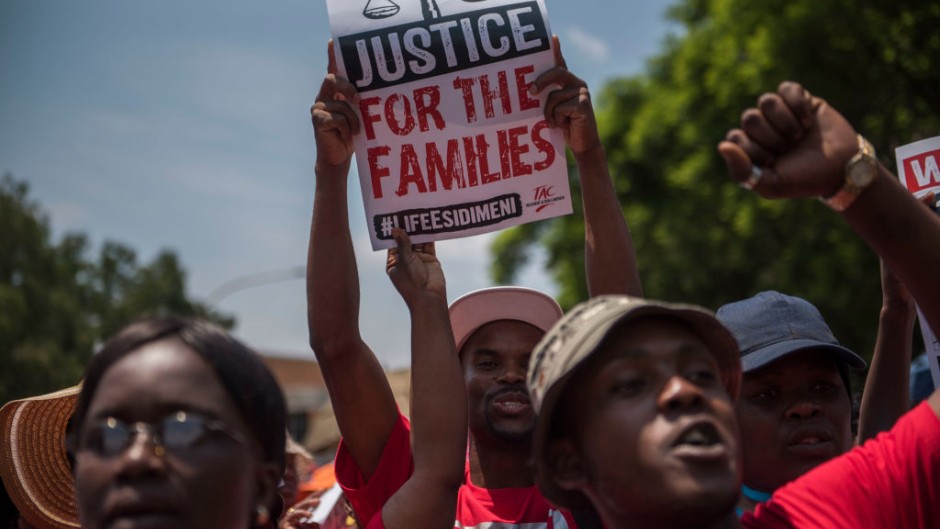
{"points": [[33, 461]]}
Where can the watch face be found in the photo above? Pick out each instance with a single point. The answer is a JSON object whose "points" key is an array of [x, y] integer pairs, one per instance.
{"points": [[861, 173]]}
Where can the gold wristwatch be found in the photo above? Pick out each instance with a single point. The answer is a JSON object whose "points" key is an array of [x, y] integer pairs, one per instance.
{"points": [[860, 171]]}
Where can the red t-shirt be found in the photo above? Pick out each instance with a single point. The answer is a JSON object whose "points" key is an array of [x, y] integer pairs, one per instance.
{"points": [[509, 507], [891, 482]]}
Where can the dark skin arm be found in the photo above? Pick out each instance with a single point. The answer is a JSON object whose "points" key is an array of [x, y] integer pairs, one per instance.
{"points": [[886, 397], [438, 404], [361, 396], [802, 144], [610, 259]]}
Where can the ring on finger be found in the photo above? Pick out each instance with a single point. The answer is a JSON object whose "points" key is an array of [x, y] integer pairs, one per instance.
{"points": [[753, 178]]}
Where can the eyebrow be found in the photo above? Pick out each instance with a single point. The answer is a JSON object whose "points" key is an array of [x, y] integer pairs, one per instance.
{"points": [[695, 349], [684, 350], [162, 410], [814, 369]]}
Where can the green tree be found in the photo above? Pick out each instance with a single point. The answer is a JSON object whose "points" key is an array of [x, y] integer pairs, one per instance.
{"points": [[57, 304], [700, 238]]}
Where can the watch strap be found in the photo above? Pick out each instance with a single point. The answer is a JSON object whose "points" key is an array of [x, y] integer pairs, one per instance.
{"points": [[850, 190]]}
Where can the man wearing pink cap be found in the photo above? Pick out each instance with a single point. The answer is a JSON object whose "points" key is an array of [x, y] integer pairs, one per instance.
{"points": [[495, 329]]}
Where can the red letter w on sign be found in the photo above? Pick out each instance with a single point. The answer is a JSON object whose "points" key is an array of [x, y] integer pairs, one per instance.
{"points": [[921, 171]]}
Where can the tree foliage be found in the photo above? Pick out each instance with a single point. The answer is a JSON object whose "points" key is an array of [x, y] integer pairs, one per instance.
{"points": [[699, 238], [59, 301]]}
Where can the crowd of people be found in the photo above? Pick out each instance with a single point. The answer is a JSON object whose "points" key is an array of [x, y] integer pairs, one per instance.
{"points": [[625, 412]]}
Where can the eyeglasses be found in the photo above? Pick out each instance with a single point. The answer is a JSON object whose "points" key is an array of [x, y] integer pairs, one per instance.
{"points": [[177, 432]]}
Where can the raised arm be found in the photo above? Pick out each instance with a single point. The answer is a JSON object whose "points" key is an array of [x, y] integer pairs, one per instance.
{"points": [[362, 399], [609, 255], [438, 406], [886, 389], [802, 145]]}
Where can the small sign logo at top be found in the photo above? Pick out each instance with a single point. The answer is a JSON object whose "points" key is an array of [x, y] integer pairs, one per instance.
{"points": [[379, 9]]}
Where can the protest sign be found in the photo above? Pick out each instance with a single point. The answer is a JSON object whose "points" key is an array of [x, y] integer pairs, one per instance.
{"points": [[918, 166], [452, 143], [919, 172]]}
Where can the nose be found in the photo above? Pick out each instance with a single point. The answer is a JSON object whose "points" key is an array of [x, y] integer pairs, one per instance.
{"points": [[679, 394], [803, 409], [513, 374], [144, 454]]}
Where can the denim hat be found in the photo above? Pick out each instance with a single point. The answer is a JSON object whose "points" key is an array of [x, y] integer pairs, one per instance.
{"points": [[921, 381], [771, 325]]}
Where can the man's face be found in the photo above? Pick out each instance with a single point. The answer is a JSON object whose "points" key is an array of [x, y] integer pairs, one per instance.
{"points": [[655, 428], [495, 359], [794, 414]]}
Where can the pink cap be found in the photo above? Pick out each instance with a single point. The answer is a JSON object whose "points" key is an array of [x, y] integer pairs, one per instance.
{"points": [[474, 310]]}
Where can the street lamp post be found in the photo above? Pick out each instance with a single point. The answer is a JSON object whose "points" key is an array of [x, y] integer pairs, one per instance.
{"points": [[258, 279]]}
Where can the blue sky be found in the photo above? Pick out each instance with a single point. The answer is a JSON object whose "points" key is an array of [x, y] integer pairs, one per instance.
{"points": [[185, 125]]}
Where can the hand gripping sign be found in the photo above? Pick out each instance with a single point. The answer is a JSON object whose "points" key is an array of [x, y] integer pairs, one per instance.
{"points": [[919, 171], [452, 143]]}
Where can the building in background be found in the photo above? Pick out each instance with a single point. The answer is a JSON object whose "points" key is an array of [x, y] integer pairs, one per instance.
{"points": [[310, 418]]}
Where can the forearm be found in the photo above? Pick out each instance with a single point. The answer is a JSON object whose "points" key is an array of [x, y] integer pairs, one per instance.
{"points": [[332, 275], [421, 503], [609, 255], [362, 399], [886, 389], [438, 405], [904, 233]]}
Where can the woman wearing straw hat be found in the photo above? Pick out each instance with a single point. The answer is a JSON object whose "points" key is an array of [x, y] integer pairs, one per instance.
{"points": [[34, 464], [178, 425]]}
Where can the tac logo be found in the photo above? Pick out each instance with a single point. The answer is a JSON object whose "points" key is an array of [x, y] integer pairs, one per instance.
{"points": [[544, 192], [544, 197]]}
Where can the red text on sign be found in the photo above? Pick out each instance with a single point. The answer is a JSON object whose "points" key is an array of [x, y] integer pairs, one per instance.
{"points": [[480, 88], [922, 171], [463, 162], [400, 116]]}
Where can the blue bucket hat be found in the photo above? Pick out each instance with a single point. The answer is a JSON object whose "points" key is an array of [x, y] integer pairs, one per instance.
{"points": [[771, 325]]}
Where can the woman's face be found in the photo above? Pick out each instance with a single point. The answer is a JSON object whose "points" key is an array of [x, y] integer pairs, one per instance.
{"points": [[216, 482], [794, 414]]}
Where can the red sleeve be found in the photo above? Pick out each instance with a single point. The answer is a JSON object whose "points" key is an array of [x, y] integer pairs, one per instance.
{"points": [[395, 467], [376, 522], [891, 481]]}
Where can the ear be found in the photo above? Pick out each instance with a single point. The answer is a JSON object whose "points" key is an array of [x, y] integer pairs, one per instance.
{"points": [[267, 477], [566, 464]]}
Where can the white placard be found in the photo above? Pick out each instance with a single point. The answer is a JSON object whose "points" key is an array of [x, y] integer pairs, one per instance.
{"points": [[327, 505], [919, 166], [919, 172], [452, 142]]}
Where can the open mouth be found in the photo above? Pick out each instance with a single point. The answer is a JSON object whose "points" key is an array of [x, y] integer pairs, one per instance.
{"points": [[512, 403], [143, 512], [143, 519], [700, 442], [701, 434], [810, 441]]}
